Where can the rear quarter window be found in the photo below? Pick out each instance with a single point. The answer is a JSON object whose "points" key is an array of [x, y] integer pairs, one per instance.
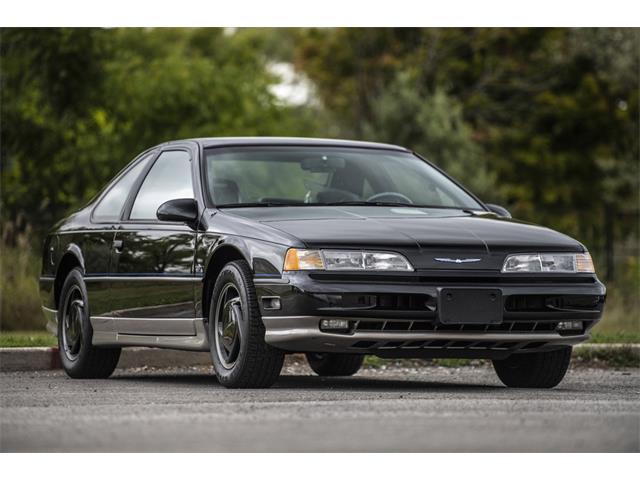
{"points": [[110, 206]]}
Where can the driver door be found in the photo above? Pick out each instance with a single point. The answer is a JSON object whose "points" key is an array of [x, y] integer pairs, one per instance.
{"points": [[152, 261]]}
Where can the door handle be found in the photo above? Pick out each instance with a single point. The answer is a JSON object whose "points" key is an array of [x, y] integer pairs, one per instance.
{"points": [[117, 245]]}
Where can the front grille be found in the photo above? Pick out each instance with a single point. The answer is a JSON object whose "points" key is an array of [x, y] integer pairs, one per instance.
{"points": [[384, 301], [554, 303], [421, 309], [428, 326], [447, 345]]}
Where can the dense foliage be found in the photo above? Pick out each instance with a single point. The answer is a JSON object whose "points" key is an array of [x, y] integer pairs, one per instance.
{"points": [[543, 121], [78, 104]]}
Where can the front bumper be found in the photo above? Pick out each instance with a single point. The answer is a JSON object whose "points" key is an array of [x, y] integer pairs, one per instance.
{"points": [[303, 334], [396, 315]]}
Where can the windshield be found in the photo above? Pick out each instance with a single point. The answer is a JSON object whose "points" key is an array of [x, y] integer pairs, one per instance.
{"points": [[278, 176]]}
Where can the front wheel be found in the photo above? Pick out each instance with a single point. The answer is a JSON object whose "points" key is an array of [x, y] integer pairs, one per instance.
{"points": [[335, 364], [79, 358], [241, 357], [534, 370]]}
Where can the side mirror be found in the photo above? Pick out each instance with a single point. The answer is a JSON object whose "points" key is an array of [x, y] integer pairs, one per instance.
{"points": [[498, 210], [178, 210]]}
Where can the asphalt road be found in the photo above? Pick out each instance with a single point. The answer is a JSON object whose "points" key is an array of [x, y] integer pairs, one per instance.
{"points": [[397, 409]]}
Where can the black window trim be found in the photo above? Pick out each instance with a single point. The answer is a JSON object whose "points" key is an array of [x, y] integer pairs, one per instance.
{"points": [[126, 213], [94, 219]]}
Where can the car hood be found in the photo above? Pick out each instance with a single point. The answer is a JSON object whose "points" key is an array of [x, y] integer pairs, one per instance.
{"points": [[430, 238]]}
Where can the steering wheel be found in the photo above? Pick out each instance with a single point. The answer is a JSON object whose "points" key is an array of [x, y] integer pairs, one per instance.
{"points": [[378, 196], [329, 194]]}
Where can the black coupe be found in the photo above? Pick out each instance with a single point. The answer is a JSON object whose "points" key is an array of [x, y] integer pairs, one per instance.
{"points": [[252, 248]]}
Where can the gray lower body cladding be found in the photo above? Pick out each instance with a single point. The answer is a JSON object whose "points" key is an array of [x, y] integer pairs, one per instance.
{"points": [[303, 334]]}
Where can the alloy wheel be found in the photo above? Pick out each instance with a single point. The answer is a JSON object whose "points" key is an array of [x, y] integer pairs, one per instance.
{"points": [[227, 329], [72, 318]]}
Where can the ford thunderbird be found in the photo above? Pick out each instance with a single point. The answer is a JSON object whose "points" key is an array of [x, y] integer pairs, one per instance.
{"points": [[253, 248]]}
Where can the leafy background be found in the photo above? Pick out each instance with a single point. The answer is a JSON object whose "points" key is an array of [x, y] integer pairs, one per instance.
{"points": [[543, 121]]}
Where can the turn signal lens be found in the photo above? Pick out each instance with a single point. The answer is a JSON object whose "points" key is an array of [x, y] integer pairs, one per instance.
{"points": [[297, 259], [584, 264]]}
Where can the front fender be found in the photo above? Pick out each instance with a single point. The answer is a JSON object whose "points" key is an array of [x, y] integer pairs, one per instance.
{"points": [[264, 258]]}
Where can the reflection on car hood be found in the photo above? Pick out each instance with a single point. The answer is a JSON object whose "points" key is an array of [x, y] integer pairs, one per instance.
{"points": [[431, 238]]}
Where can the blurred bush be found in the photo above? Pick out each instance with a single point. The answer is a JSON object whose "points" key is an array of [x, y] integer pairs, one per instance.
{"points": [[19, 296], [622, 312]]}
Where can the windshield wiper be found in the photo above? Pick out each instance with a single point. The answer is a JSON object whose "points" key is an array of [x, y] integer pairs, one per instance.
{"points": [[347, 203], [389, 204], [358, 203], [318, 204]]}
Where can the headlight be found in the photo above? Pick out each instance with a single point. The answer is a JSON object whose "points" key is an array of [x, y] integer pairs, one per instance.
{"points": [[297, 259], [549, 263]]}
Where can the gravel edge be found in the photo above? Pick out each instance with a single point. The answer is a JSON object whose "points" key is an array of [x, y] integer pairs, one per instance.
{"points": [[46, 358]]}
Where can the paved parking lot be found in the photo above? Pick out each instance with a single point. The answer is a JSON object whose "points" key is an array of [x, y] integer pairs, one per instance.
{"points": [[395, 409]]}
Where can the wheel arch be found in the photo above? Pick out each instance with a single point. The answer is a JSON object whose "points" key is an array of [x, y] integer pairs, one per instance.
{"points": [[222, 255], [71, 259]]}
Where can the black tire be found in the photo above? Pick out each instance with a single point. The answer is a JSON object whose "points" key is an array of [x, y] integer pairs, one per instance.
{"points": [[241, 358], [335, 364], [534, 370], [79, 358]]}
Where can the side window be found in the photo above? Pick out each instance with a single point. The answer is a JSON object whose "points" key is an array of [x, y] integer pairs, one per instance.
{"points": [[168, 179], [111, 205]]}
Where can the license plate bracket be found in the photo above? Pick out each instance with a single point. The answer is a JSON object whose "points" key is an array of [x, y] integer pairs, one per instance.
{"points": [[469, 305]]}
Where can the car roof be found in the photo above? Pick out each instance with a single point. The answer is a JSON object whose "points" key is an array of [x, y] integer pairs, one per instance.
{"points": [[240, 141]]}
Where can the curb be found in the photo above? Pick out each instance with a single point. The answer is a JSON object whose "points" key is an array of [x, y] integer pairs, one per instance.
{"points": [[29, 358], [46, 358]]}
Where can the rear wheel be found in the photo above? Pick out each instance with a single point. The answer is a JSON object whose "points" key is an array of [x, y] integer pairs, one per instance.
{"points": [[79, 358], [241, 357], [335, 364], [534, 370]]}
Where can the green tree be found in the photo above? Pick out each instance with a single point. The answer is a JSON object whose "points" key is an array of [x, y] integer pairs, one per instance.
{"points": [[78, 104], [49, 79], [433, 126]]}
